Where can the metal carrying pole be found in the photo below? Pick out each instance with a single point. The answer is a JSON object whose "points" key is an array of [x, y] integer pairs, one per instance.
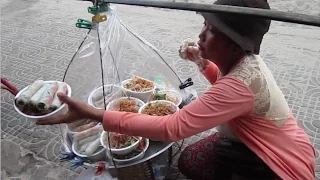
{"points": [[212, 8]]}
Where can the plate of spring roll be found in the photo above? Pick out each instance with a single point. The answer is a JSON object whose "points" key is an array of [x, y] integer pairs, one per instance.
{"points": [[40, 100], [86, 144]]}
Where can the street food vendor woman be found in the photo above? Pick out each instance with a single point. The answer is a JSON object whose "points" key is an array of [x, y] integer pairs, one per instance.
{"points": [[257, 138]]}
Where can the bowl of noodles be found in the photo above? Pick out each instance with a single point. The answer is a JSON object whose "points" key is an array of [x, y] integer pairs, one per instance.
{"points": [[136, 155], [159, 108], [139, 87], [125, 104], [121, 144]]}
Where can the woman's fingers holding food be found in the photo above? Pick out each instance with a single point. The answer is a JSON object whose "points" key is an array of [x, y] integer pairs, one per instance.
{"points": [[193, 53]]}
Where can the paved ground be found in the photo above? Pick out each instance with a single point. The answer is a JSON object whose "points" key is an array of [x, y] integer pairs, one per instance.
{"points": [[38, 39]]}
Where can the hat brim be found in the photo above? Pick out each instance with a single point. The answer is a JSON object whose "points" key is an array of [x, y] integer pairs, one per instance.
{"points": [[245, 43]]}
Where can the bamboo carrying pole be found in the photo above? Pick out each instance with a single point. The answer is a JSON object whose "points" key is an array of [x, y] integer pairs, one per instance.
{"points": [[262, 13]]}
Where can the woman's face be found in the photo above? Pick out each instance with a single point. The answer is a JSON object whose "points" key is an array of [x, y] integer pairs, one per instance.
{"points": [[214, 45]]}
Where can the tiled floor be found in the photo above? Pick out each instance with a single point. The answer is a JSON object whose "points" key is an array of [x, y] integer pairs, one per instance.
{"points": [[38, 39]]}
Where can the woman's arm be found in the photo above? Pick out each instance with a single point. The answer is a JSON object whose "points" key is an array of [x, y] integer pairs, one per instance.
{"points": [[227, 99], [210, 71]]}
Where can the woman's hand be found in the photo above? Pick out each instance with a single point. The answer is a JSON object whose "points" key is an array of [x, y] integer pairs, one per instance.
{"points": [[77, 110], [190, 51]]}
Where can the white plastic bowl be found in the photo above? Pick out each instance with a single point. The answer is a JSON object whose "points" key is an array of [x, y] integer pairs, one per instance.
{"points": [[174, 93], [114, 105], [144, 96], [117, 89], [97, 156], [61, 110], [133, 159], [121, 151], [162, 102]]}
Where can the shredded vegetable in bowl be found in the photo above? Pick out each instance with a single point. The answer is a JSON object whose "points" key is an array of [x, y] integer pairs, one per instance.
{"points": [[139, 84], [119, 141], [168, 95], [125, 104], [128, 105], [159, 108], [134, 153]]}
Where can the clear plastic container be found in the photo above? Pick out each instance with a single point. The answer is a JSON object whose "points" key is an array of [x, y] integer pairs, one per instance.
{"points": [[160, 166]]}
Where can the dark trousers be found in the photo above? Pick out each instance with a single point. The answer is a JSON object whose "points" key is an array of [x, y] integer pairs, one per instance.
{"points": [[219, 158]]}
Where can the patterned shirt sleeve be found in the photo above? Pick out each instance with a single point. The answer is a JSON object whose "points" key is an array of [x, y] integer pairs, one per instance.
{"points": [[211, 72]]}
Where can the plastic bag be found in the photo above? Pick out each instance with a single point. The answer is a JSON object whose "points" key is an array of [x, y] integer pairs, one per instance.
{"points": [[89, 174], [124, 55], [110, 55]]}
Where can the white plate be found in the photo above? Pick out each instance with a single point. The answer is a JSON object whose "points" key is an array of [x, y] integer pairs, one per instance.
{"points": [[61, 110]]}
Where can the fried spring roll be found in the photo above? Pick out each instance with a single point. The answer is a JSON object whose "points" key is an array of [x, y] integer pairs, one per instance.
{"points": [[88, 139], [37, 96], [84, 147], [25, 97], [92, 147], [78, 123], [56, 103], [85, 126], [88, 132], [47, 97]]}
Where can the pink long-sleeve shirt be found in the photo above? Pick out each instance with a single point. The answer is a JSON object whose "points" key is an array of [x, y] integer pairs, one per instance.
{"points": [[237, 101]]}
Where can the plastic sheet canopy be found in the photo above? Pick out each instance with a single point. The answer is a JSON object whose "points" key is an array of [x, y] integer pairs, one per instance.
{"points": [[124, 54], [111, 54]]}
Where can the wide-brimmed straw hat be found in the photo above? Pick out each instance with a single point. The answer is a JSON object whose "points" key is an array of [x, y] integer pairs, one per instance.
{"points": [[244, 30]]}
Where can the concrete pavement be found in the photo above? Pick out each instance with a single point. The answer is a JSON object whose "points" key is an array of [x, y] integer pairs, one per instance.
{"points": [[38, 39]]}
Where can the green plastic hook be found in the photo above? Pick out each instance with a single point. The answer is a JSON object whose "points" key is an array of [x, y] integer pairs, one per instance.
{"points": [[82, 23], [94, 10], [98, 9]]}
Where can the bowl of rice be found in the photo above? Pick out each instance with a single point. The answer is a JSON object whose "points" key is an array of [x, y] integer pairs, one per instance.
{"points": [[121, 144], [139, 87], [159, 108]]}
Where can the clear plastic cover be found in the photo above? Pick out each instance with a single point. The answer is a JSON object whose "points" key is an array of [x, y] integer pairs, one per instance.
{"points": [[124, 54], [114, 62]]}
